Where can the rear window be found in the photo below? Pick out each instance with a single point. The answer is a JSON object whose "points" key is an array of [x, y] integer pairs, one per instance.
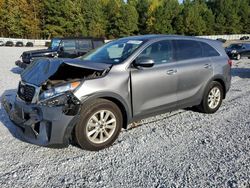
{"points": [[208, 51], [187, 49]]}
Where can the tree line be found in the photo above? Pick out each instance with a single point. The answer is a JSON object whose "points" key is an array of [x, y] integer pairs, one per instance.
{"points": [[117, 18]]}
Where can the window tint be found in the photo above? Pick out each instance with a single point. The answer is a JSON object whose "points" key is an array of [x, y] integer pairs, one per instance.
{"points": [[160, 52], [84, 44], [208, 51], [187, 49], [69, 44], [97, 43]]}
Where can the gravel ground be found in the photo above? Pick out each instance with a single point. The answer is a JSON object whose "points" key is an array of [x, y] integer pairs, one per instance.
{"points": [[178, 149]]}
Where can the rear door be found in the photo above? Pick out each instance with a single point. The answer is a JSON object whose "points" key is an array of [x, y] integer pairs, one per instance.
{"points": [[154, 89], [194, 70]]}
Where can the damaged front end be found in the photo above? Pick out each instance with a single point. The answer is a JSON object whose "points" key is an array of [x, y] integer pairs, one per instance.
{"points": [[45, 108]]}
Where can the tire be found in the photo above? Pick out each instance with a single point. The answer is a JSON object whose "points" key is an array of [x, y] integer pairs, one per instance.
{"points": [[92, 134], [238, 57], [208, 107]]}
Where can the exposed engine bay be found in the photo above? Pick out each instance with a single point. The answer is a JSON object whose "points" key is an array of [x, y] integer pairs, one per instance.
{"points": [[68, 73], [51, 72]]}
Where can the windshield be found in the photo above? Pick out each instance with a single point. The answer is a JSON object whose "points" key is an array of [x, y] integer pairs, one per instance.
{"points": [[54, 44], [114, 52], [235, 46]]}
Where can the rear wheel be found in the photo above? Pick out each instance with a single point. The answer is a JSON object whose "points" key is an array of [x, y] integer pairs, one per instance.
{"points": [[212, 98], [99, 126]]}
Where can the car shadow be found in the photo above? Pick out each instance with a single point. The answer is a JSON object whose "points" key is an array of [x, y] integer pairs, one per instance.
{"points": [[241, 72], [16, 70], [4, 118]]}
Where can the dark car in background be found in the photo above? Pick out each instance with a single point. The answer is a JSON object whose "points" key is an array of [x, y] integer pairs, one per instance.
{"points": [[221, 40], [244, 38], [237, 51], [9, 43], [29, 44], [19, 44], [62, 48]]}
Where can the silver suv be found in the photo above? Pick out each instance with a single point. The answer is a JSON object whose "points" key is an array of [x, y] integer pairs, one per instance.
{"points": [[89, 100]]}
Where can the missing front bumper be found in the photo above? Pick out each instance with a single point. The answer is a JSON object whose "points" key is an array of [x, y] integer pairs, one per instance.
{"points": [[40, 125]]}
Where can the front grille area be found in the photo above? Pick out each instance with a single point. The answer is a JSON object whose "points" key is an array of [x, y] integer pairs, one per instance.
{"points": [[26, 92]]}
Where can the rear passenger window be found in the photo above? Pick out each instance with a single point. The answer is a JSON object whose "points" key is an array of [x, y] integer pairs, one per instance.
{"points": [[187, 49], [69, 44], [97, 43], [84, 44], [208, 51], [161, 52]]}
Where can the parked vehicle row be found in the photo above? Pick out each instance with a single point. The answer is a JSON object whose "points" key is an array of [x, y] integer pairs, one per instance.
{"points": [[244, 38], [17, 44], [88, 100]]}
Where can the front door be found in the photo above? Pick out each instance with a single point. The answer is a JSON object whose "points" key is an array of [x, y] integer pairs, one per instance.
{"points": [[154, 88], [68, 49]]}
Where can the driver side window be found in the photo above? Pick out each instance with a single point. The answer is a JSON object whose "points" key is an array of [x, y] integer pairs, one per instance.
{"points": [[161, 52]]}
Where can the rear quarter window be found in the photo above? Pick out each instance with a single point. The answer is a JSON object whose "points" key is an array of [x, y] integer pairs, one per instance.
{"points": [[187, 49], [208, 51]]}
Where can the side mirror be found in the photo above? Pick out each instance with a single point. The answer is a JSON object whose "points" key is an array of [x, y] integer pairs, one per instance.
{"points": [[144, 62]]}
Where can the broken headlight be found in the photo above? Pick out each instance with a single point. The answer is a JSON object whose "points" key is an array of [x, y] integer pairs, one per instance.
{"points": [[59, 90]]}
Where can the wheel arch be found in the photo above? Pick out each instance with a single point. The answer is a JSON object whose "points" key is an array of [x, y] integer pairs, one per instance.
{"points": [[223, 86], [125, 110], [221, 80], [118, 100]]}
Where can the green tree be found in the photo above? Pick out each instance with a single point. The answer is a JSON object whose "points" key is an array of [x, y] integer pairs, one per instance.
{"points": [[165, 16], [142, 10], [94, 17], [193, 22], [128, 20], [122, 19]]}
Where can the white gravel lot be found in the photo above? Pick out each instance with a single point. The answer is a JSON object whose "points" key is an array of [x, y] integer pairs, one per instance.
{"points": [[178, 149]]}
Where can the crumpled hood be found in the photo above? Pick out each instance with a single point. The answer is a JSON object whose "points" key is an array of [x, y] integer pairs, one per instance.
{"points": [[42, 69]]}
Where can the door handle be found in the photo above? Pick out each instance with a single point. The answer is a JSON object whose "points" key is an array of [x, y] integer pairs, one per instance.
{"points": [[207, 66], [171, 72]]}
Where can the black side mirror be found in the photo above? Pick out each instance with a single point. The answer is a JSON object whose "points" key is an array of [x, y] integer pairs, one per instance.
{"points": [[144, 62]]}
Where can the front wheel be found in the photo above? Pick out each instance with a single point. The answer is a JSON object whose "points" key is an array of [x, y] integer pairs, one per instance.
{"points": [[99, 126], [212, 98]]}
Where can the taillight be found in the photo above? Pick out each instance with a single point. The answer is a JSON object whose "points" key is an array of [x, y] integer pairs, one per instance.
{"points": [[230, 62]]}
